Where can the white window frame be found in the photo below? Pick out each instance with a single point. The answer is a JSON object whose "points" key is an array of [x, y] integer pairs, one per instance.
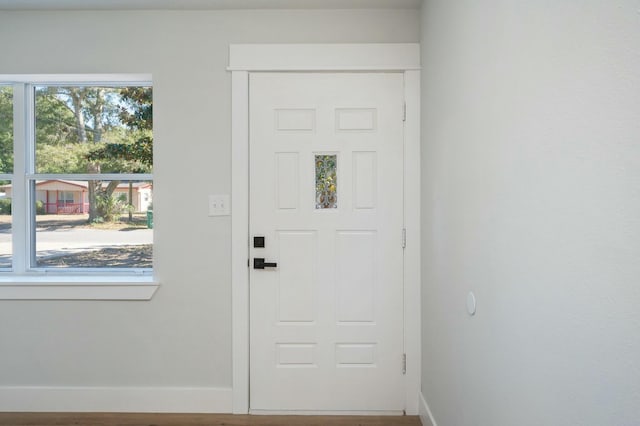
{"points": [[23, 282], [248, 58]]}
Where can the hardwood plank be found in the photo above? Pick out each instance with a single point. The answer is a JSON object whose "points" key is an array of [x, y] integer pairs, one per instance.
{"points": [[121, 419]]}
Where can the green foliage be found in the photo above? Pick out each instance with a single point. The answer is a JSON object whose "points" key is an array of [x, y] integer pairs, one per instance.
{"points": [[109, 207], [40, 207], [129, 208], [138, 110], [326, 181], [55, 121], [132, 156], [6, 129], [86, 129], [138, 156], [76, 114], [5, 205], [121, 117], [62, 158]]}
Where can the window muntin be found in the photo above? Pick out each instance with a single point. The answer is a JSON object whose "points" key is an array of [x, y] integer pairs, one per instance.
{"points": [[63, 232]]}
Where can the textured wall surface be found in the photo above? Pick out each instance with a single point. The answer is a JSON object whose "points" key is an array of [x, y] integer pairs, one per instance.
{"points": [[183, 336], [531, 199]]}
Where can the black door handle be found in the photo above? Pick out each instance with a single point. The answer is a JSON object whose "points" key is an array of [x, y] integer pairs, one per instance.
{"points": [[259, 263]]}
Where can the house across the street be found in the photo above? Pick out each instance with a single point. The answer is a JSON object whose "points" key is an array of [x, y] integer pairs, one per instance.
{"points": [[72, 197]]}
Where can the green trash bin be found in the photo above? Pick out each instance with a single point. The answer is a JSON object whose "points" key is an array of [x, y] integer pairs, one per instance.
{"points": [[150, 219]]}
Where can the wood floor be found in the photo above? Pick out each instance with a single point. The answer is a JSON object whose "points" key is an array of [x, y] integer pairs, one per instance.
{"points": [[111, 419]]}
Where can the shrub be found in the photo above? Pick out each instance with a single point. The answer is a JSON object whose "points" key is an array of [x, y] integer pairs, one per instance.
{"points": [[109, 207], [40, 207], [5, 206]]}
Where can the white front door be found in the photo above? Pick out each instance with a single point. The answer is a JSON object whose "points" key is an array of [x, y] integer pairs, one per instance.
{"points": [[326, 196]]}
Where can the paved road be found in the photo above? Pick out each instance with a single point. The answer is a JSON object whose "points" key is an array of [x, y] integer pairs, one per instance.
{"points": [[71, 240]]}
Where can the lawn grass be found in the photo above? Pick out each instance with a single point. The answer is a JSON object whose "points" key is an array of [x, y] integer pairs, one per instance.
{"points": [[65, 221]]}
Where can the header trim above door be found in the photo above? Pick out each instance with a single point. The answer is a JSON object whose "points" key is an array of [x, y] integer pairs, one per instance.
{"points": [[324, 57]]}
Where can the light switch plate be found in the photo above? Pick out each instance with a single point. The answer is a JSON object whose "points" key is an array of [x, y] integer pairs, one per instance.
{"points": [[219, 205]]}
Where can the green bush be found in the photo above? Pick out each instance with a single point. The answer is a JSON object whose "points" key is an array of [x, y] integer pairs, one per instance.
{"points": [[5, 205], [109, 207], [40, 207]]}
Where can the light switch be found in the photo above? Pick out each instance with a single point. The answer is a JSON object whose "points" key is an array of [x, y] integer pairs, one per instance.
{"points": [[219, 205]]}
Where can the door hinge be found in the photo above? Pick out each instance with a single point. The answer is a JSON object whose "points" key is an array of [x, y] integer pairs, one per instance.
{"points": [[404, 111], [404, 363], [404, 237]]}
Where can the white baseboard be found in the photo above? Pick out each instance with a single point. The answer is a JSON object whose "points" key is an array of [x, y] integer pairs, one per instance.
{"points": [[112, 399], [425, 413]]}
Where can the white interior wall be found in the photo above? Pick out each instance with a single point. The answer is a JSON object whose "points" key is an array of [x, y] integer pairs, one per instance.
{"points": [[531, 199], [182, 337]]}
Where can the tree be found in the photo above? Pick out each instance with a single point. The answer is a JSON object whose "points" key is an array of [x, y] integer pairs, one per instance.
{"points": [[6, 129], [79, 130], [57, 147], [137, 114]]}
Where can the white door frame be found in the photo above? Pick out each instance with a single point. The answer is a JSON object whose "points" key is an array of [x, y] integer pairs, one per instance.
{"points": [[246, 58]]}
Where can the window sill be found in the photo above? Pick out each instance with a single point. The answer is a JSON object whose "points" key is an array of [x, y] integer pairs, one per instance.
{"points": [[77, 287]]}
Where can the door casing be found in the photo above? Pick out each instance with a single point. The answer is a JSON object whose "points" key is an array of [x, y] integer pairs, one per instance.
{"points": [[247, 58]]}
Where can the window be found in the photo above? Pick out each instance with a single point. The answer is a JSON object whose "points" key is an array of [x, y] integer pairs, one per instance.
{"points": [[6, 169], [65, 198], [82, 152]]}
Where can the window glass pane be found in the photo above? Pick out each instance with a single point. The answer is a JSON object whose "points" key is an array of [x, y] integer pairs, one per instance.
{"points": [[122, 237], [82, 129], [326, 182], [6, 166], [6, 129], [6, 249]]}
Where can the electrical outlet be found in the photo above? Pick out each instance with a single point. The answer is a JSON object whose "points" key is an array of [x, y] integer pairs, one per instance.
{"points": [[219, 205]]}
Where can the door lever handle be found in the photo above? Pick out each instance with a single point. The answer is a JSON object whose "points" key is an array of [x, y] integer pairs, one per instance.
{"points": [[259, 263]]}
